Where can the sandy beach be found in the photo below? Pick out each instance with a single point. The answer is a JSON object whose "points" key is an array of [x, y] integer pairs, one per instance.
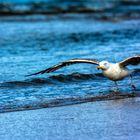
{"points": [[104, 120]]}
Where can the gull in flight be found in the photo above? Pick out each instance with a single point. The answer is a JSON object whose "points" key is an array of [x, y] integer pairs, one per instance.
{"points": [[113, 71]]}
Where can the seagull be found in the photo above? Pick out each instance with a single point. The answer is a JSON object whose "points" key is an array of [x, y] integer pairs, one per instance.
{"points": [[112, 71]]}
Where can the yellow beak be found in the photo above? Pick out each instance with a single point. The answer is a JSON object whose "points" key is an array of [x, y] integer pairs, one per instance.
{"points": [[100, 67]]}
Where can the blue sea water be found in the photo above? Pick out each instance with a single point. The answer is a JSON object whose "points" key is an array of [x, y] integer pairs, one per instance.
{"points": [[28, 47]]}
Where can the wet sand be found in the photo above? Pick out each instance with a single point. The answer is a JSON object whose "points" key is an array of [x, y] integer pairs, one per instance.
{"points": [[105, 120]]}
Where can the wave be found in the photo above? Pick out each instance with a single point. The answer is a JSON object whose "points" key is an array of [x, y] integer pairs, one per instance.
{"points": [[61, 78]]}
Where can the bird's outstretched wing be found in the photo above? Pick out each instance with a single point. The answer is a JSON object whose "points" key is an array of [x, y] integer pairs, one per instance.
{"points": [[135, 60], [66, 63]]}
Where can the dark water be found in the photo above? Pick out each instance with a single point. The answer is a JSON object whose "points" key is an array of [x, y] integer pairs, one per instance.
{"points": [[105, 10], [27, 47]]}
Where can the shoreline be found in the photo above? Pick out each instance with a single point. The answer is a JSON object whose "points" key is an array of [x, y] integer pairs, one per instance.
{"points": [[69, 102], [115, 119], [101, 16]]}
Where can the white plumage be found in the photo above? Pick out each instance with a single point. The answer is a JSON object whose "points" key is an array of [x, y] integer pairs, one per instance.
{"points": [[114, 71]]}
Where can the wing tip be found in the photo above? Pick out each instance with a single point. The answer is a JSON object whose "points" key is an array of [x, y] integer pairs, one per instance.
{"points": [[33, 74], [40, 72]]}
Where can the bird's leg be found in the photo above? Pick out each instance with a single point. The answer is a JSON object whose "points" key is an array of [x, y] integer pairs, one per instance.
{"points": [[116, 86], [131, 82]]}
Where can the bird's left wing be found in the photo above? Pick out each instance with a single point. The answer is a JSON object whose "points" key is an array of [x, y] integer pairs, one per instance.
{"points": [[135, 60], [66, 63]]}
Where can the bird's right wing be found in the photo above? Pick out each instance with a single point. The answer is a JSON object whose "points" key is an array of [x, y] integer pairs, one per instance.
{"points": [[135, 60], [66, 63]]}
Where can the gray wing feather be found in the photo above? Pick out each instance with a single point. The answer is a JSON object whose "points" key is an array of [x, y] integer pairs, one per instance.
{"points": [[66, 63], [135, 60]]}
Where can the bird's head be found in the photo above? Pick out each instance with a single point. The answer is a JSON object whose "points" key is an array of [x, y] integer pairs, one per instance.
{"points": [[104, 65]]}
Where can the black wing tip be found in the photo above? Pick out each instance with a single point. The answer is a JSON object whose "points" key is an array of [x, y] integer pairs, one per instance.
{"points": [[40, 72], [28, 75], [33, 74]]}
